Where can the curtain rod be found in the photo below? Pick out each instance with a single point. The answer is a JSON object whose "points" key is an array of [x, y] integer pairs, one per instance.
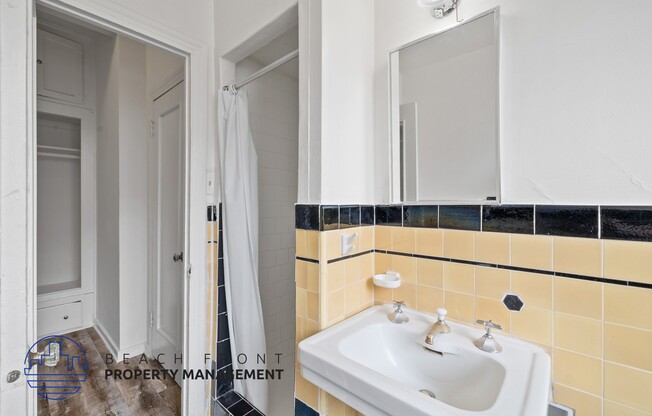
{"points": [[290, 56]]}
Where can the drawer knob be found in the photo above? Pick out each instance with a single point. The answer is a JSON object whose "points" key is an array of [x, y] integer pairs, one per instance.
{"points": [[65, 316]]}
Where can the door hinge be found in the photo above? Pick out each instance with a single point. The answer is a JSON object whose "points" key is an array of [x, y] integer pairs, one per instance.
{"points": [[151, 128], [189, 269], [151, 319]]}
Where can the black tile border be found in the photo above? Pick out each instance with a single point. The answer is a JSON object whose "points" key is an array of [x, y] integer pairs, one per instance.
{"points": [[519, 269], [629, 223], [567, 220], [307, 259]]}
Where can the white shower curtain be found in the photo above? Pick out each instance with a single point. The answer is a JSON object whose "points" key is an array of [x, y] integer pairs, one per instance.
{"points": [[240, 239]]}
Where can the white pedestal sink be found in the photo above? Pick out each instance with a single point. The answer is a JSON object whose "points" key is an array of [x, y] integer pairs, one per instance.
{"points": [[380, 368]]}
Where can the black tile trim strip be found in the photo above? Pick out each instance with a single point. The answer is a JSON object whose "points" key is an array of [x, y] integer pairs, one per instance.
{"points": [[307, 259], [629, 223], [362, 253], [519, 269]]}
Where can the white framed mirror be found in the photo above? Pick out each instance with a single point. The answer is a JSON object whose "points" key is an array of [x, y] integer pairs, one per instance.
{"points": [[444, 104]]}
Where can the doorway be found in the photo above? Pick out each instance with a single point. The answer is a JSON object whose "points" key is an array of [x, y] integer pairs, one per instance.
{"points": [[111, 202]]}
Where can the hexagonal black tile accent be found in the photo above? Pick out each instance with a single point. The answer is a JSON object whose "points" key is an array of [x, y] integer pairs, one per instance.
{"points": [[513, 302]]}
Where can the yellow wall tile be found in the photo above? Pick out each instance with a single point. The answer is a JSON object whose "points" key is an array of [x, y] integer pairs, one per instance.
{"points": [[628, 346], [366, 239], [312, 277], [312, 244], [429, 242], [383, 295], [628, 306], [458, 244], [331, 245], [300, 329], [628, 386], [301, 243], [461, 307], [302, 302], [578, 255], [578, 334], [383, 237], [628, 260], [617, 409], [403, 239], [534, 289], [583, 403], [352, 270], [578, 297], [335, 275], [494, 310], [368, 290], [311, 328], [407, 292], [533, 324], [492, 248], [430, 272], [353, 297], [429, 299], [406, 266], [301, 274], [312, 306], [382, 263], [367, 266], [491, 282], [336, 302], [306, 391], [576, 370], [532, 251], [459, 277]]}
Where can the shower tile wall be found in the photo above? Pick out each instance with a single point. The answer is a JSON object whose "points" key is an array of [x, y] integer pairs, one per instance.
{"points": [[274, 121]]}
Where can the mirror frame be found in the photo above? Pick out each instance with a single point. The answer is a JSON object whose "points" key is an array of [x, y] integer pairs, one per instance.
{"points": [[394, 133]]}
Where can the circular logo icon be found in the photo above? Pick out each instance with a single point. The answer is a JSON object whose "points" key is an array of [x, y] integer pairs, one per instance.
{"points": [[56, 366]]}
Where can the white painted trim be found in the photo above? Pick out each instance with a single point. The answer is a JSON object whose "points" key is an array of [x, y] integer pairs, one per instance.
{"points": [[108, 341], [133, 350], [199, 124]]}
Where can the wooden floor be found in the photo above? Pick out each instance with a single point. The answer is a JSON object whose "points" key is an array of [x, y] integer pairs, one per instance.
{"points": [[109, 397]]}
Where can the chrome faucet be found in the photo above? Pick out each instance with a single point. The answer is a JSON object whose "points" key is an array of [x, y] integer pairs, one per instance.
{"points": [[398, 316], [439, 327], [487, 342]]}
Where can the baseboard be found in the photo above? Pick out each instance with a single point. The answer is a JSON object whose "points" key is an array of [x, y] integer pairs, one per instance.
{"points": [[132, 351], [104, 334]]}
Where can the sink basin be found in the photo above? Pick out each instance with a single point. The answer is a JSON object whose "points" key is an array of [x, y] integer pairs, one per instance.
{"points": [[381, 368]]}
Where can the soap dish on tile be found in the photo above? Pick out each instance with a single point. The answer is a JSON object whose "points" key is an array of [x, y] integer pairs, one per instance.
{"points": [[390, 280]]}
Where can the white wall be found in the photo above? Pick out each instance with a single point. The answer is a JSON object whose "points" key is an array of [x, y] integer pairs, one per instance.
{"points": [[107, 311], [133, 133], [347, 101], [575, 94]]}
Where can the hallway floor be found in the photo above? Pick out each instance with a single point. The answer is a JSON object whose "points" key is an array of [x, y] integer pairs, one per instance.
{"points": [[109, 397]]}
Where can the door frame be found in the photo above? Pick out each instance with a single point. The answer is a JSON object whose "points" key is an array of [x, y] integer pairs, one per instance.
{"points": [[152, 200], [17, 181]]}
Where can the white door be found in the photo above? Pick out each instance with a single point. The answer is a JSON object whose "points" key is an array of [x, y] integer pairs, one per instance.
{"points": [[167, 167]]}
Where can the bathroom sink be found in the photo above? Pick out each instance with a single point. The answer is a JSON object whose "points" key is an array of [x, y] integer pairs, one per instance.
{"points": [[381, 368]]}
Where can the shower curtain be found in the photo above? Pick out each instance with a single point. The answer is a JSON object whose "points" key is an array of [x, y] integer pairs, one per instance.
{"points": [[240, 239]]}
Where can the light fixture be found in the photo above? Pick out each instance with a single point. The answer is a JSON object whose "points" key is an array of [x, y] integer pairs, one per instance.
{"points": [[439, 8]]}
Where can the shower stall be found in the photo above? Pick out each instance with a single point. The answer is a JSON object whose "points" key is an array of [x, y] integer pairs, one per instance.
{"points": [[259, 161]]}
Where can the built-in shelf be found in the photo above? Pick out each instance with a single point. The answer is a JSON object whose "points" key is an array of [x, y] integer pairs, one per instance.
{"points": [[58, 152], [58, 287]]}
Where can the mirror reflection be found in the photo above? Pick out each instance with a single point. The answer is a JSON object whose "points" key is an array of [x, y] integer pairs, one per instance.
{"points": [[445, 115]]}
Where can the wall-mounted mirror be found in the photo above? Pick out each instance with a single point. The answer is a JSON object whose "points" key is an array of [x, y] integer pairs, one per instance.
{"points": [[445, 115]]}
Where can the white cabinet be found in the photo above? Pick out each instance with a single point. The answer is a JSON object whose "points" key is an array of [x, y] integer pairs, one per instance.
{"points": [[60, 68]]}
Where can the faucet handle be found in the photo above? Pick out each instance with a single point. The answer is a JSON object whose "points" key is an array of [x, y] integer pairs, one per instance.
{"points": [[441, 314], [489, 325], [399, 305]]}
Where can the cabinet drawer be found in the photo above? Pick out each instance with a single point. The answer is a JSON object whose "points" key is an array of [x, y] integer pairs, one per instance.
{"points": [[58, 319]]}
